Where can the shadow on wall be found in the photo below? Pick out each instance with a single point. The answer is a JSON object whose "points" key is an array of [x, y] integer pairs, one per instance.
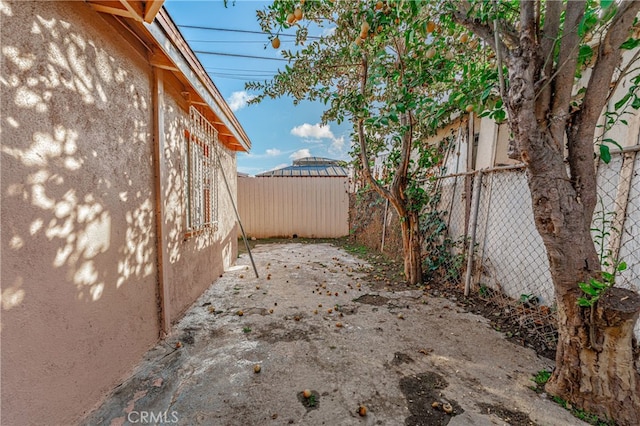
{"points": [[78, 227]]}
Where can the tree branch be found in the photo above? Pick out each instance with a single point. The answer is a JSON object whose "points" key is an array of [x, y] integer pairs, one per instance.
{"points": [[581, 133], [485, 32], [566, 70], [364, 155], [547, 41]]}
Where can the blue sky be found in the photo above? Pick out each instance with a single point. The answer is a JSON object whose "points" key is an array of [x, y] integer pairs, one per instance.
{"points": [[279, 131]]}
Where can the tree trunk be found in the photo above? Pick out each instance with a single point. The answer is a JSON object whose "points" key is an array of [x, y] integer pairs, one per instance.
{"points": [[600, 377], [411, 247]]}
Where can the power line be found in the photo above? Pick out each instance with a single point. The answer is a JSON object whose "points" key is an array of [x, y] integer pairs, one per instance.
{"points": [[249, 76], [239, 69], [235, 41], [197, 27], [217, 77], [204, 52]]}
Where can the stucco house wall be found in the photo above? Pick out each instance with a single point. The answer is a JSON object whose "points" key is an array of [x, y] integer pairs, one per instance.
{"points": [[81, 272], [196, 261]]}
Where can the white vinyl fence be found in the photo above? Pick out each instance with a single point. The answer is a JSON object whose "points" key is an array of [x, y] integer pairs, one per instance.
{"points": [[306, 207]]}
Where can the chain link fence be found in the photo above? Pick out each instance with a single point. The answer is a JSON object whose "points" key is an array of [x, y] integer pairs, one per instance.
{"points": [[492, 212]]}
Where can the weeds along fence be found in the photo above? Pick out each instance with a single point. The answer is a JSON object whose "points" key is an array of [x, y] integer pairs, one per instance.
{"points": [[491, 211]]}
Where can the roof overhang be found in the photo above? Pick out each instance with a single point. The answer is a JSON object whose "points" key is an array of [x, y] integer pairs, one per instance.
{"points": [[170, 51], [138, 10]]}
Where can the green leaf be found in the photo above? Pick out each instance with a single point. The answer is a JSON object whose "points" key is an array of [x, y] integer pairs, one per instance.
{"points": [[500, 115], [584, 302], [485, 94], [613, 142], [599, 285], [630, 44], [585, 53], [622, 101], [622, 266], [604, 4], [635, 104], [586, 287], [605, 154]]}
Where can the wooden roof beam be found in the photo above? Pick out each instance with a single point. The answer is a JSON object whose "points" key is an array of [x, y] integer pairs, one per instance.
{"points": [[151, 9], [134, 7], [159, 60], [110, 7]]}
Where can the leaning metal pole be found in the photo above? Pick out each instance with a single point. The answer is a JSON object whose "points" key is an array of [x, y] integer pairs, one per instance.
{"points": [[244, 236]]}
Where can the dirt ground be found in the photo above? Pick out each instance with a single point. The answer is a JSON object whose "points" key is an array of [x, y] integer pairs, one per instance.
{"points": [[249, 347]]}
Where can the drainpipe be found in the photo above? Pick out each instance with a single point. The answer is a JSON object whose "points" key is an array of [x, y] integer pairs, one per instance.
{"points": [[160, 172]]}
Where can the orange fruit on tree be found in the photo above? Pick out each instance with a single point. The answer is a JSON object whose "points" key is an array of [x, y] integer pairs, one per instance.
{"points": [[379, 5], [365, 27], [431, 53], [431, 26], [275, 42], [469, 108], [291, 18], [464, 38], [297, 14]]}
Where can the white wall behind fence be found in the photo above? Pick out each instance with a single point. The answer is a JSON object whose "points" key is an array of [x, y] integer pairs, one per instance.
{"points": [[310, 207]]}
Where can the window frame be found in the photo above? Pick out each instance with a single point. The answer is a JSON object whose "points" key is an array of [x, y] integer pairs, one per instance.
{"points": [[200, 175]]}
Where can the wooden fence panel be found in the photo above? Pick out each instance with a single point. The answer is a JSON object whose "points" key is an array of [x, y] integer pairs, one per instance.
{"points": [[309, 207]]}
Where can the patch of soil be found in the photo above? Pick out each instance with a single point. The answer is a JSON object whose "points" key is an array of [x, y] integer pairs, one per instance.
{"points": [[384, 274], [372, 299], [512, 417], [277, 332], [311, 403], [400, 358], [426, 405], [541, 336]]}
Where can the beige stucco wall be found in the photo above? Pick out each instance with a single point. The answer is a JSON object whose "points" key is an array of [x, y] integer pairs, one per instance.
{"points": [[194, 262], [80, 272], [79, 260]]}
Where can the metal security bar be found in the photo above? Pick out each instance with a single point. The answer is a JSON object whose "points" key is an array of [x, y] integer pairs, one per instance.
{"points": [[201, 173]]}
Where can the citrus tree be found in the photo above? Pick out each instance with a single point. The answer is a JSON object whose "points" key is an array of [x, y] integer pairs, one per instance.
{"points": [[545, 47], [389, 70], [399, 69]]}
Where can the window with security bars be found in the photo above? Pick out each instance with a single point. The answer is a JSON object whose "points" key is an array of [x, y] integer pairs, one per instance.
{"points": [[201, 177]]}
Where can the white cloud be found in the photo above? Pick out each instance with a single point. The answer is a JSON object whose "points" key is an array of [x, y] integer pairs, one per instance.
{"points": [[273, 152], [319, 133], [313, 131], [337, 146], [238, 100], [301, 153]]}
